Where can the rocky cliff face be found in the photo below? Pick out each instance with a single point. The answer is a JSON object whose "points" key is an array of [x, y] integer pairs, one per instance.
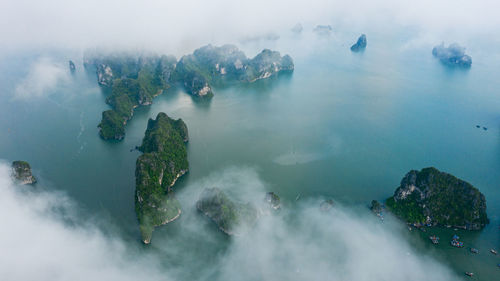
{"points": [[21, 172], [231, 217], [360, 45], [273, 200], [210, 65], [453, 55], [266, 64], [437, 198], [134, 81], [163, 162], [104, 75]]}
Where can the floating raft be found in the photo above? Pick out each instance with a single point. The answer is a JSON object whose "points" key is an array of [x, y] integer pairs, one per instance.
{"points": [[434, 239], [455, 243]]}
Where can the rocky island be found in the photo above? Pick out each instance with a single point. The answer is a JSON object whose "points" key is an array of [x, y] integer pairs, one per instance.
{"points": [[376, 207], [134, 81], [21, 172], [360, 45], [431, 197], [211, 66], [231, 217], [454, 55], [72, 66], [163, 161], [273, 200], [323, 30]]}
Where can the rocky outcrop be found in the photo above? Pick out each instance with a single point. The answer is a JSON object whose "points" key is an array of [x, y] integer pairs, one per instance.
{"points": [[210, 65], [453, 55], [266, 64], [323, 30], [376, 207], [432, 197], [21, 172], [134, 81], [104, 75], [273, 200], [360, 45], [163, 161], [231, 217], [326, 205], [72, 67]]}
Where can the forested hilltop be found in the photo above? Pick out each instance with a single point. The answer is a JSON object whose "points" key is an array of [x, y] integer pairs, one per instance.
{"points": [[134, 81], [163, 161], [432, 197]]}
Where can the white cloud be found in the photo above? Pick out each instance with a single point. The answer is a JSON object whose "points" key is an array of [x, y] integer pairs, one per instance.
{"points": [[299, 243], [303, 243], [186, 24], [44, 75], [37, 244]]}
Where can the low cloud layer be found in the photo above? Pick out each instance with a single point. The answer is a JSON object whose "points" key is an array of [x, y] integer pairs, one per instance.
{"points": [[184, 25], [43, 75], [301, 242], [43, 239]]}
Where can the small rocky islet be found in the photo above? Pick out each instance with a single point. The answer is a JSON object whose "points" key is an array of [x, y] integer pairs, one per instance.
{"points": [[134, 81], [163, 161], [323, 30], [72, 66], [21, 172], [230, 217], [434, 198], [360, 45], [453, 55]]}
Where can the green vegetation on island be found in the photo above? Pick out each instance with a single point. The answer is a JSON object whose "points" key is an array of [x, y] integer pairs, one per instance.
{"points": [[134, 81], [231, 217], [431, 197], [376, 207], [216, 66], [21, 172], [163, 161]]}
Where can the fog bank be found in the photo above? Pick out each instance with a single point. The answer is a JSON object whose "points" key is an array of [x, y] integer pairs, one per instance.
{"points": [[177, 26]]}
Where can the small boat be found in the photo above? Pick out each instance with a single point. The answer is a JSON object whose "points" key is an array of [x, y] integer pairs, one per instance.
{"points": [[494, 252], [434, 239], [477, 126], [298, 197], [469, 273], [456, 243], [484, 128], [474, 250]]}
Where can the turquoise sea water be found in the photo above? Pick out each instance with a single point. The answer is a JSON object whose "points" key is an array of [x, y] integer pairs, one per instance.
{"points": [[344, 126]]}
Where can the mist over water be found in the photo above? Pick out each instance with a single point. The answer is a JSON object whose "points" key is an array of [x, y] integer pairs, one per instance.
{"points": [[342, 126], [45, 235]]}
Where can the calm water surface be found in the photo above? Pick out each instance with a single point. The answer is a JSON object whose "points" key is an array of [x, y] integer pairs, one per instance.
{"points": [[346, 126]]}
